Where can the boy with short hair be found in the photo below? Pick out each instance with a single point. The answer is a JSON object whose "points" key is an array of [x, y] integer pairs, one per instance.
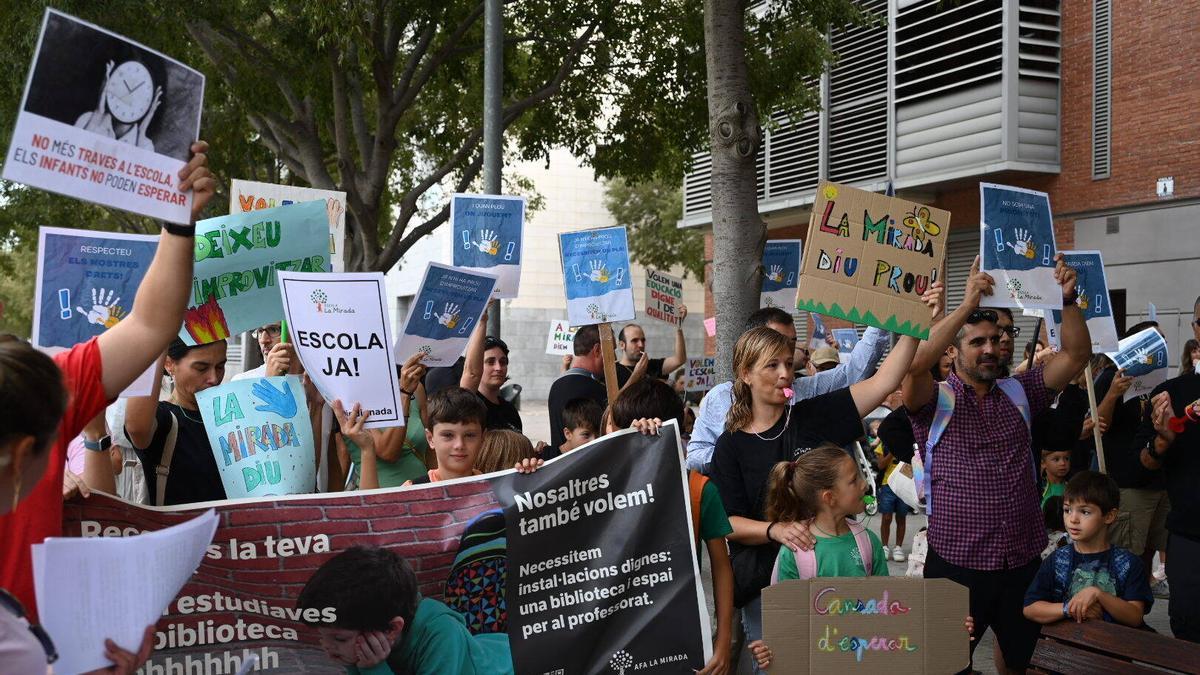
{"points": [[1056, 464], [384, 626], [1089, 578], [455, 433], [581, 423]]}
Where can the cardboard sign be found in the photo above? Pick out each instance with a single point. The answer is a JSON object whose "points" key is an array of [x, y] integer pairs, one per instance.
{"points": [[846, 339], [1016, 245], [488, 237], [701, 374], [819, 332], [441, 319], [595, 266], [560, 341], [781, 273], [1143, 356], [248, 195], [340, 327], [871, 257], [1092, 285], [86, 282], [106, 120], [236, 260], [261, 436], [895, 625], [664, 295]]}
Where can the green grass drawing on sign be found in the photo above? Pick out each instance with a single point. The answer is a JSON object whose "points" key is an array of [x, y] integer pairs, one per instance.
{"points": [[853, 315]]}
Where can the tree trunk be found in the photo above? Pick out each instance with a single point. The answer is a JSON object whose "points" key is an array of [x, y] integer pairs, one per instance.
{"points": [[738, 231]]}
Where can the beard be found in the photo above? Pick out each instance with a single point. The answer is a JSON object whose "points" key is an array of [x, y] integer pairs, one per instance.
{"points": [[980, 370]]}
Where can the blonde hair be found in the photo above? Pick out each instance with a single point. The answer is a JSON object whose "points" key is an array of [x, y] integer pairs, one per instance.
{"points": [[502, 449], [755, 345], [794, 488]]}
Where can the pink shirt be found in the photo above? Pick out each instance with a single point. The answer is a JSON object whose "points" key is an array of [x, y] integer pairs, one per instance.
{"points": [[75, 455]]}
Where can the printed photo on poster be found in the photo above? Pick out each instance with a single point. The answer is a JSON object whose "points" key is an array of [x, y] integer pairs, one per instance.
{"points": [[560, 341], [1017, 247], [781, 274], [444, 313], [489, 233], [595, 266], [248, 195], [664, 297], [1143, 356], [1091, 283], [106, 120]]}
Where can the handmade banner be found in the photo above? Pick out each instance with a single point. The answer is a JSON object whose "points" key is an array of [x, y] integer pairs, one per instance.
{"points": [[106, 120], [440, 320], [236, 259], [781, 273], [875, 624], [85, 285], [818, 332], [1143, 356], [261, 436], [1091, 283], [664, 295], [1016, 244], [340, 328], [701, 374], [871, 257], [560, 341], [595, 265], [489, 233], [593, 551], [248, 195]]}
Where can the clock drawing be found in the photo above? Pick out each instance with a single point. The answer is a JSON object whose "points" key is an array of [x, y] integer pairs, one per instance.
{"points": [[130, 91]]}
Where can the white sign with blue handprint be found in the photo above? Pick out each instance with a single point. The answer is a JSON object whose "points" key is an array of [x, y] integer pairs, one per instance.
{"points": [[846, 339], [781, 274], [444, 313], [261, 436], [1143, 356], [1017, 247], [1091, 283], [595, 267], [488, 235], [85, 285]]}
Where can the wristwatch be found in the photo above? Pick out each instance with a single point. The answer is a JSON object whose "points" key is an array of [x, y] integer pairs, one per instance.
{"points": [[100, 445]]}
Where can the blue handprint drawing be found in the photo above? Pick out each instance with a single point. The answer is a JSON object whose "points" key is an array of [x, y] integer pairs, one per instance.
{"points": [[280, 401]]}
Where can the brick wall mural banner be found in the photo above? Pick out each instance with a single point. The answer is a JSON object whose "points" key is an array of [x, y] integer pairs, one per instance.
{"points": [[595, 551]]}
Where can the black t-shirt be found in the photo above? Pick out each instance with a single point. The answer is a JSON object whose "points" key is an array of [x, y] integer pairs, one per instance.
{"points": [[502, 415], [1058, 428], [194, 475], [437, 379], [896, 433], [654, 368], [1122, 452], [575, 383], [1181, 463]]}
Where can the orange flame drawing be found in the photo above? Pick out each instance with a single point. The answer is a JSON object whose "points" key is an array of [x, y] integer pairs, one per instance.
{"points": [[206, 322]]}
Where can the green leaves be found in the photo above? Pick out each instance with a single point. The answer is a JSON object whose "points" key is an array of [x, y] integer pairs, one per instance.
{"points": [[650, 211]]}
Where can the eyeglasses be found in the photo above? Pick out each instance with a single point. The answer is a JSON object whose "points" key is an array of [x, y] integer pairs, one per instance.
{"points": [[978, 315], [8, 602], [271, 331], [1196, 323], [1012, 331]]}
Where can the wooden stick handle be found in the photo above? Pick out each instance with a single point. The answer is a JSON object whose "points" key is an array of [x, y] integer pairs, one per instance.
{"points": [[1091, 390]]}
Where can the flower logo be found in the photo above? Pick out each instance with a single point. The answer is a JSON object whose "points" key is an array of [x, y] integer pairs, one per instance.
{"points": [[620, 661]]}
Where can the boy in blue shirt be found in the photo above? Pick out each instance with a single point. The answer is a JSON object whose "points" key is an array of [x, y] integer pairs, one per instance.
{"points": [[1088, 578]]}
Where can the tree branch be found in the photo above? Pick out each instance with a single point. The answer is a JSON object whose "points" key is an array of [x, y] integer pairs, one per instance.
{"points": [[391, 255]]}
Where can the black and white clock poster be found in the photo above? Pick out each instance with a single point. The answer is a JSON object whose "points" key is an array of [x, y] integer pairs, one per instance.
{"points": [[107, 120]]}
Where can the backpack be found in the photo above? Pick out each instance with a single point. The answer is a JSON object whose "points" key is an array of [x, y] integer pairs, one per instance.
{"points": [[806, 561], [475, 586], [941, 419]]}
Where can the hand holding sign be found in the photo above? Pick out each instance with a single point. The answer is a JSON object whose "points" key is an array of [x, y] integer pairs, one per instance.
{"points": [[1065, 276], [351, 423], [280, 401], [196, 177], [979, 285], [413, 372]]}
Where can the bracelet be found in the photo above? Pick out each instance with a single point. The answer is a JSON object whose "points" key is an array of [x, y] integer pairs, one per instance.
{"points": [[188, 231], [99, 445], [1067, 302], [406, 393], [773, 523]]}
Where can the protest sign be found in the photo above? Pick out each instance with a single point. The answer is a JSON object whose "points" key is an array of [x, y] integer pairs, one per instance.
{"points": [[846, 339], [781, 274], [710, 326], [261, 436], [560, 341], [339, 326], [595, 265], [236, 259], [664, 295], [874, 624], [871, 257], [1143, 356], [440, 320], [85, 285], [248, 195], [701, 374], [489, 233], [1016, 245], [1092, 285], [819, 332], [598, 557], [106, 120]]}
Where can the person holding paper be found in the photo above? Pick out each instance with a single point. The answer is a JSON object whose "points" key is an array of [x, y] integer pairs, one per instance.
{"points": [[45, 402], [484, 372], [278, 357], [632, 340]]}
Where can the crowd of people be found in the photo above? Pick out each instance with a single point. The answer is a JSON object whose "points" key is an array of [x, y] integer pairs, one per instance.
{"points": [[1018, 512]]}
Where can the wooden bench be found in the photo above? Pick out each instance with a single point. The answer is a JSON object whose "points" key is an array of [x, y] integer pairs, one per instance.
{"points": [[1100, 648]]}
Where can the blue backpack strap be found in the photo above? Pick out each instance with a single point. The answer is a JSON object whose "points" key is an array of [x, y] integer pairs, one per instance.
{"points": [[941, 419], [1016, 393]]}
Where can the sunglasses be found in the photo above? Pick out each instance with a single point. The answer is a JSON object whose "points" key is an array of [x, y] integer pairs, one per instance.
{"points": [[10, 603], [979, 315]]}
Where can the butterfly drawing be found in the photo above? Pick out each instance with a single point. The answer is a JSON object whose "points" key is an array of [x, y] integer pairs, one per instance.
{"points": [[921, 225]]}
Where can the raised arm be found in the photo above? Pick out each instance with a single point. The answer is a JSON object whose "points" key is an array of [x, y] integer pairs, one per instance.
{"points": [[679, 358], [858, 367], [473, 361], [129, 347], [140, 411], [98, 466], [869, 393], [1076, 342]]}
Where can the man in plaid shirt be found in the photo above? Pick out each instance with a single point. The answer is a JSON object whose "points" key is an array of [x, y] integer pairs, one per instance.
{"points": [[985, 526]]}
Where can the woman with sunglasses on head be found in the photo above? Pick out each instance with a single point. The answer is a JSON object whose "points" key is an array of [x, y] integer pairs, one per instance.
{"points": [[45, 402], [484, 372]]}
